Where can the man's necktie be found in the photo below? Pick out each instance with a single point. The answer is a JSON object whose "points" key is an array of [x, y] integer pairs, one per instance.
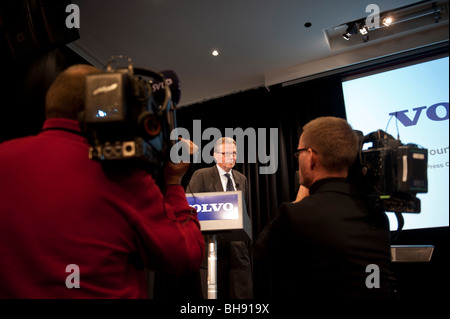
{"points": [[230, 186]]}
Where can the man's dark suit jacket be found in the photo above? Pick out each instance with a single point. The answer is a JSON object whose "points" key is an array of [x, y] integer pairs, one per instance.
{"points": [[208, 180], [234, 267], [322, 245]]}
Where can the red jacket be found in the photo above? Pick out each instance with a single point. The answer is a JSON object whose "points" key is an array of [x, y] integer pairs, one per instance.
{"points": [[58, 208]]}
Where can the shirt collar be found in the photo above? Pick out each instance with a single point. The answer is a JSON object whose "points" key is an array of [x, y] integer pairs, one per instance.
{"points": [[222, 172], [62, 123], [322, 182]]}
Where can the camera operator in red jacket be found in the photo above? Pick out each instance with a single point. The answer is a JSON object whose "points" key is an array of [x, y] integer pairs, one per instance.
{"points": [[69, 229]]}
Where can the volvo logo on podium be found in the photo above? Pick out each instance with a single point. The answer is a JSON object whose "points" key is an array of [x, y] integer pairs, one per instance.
{"points": [[222, 213], [216, 207]]}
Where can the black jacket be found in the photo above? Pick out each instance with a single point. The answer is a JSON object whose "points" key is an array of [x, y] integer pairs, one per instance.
{"points": [[321, 246]]}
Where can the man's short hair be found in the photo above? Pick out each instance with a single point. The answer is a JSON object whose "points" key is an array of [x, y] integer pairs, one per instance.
{"points": [[334, 140], [221, 141], [65, 97]]}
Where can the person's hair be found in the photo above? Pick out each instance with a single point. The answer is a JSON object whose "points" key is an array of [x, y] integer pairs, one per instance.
{"points": [[334, 140], [221, 141], [66, 95]]}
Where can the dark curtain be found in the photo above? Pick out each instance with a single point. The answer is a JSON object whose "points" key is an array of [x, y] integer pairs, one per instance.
{"points": [[286, 109], [23, 86]]}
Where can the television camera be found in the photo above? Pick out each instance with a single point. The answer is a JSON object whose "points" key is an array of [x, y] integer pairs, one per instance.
{"points": [[391, 173], [129, 114]]}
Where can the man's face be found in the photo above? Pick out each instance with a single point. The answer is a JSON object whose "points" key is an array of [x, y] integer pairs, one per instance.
{"points": [[226, 157]]}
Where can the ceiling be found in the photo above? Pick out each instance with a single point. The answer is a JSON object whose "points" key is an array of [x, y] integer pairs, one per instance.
{"points": [[257, 39]]}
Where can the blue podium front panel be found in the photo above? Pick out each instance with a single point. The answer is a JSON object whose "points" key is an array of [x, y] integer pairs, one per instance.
{"points": [[216, 207], [222, 213]]}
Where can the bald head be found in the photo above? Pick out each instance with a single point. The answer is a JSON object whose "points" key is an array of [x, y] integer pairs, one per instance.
{"points": [[65, 97]]}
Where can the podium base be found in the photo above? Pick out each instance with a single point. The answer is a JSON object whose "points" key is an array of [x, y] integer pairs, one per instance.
{"points": [[212, 267]]}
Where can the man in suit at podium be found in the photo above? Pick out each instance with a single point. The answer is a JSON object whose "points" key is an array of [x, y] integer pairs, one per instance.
{"points": [[234, 270]]}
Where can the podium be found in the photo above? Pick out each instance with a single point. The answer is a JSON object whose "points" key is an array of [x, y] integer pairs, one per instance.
{"points": [[222, 215]]}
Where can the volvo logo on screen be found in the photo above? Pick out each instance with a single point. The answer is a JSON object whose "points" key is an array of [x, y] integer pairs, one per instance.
{"points": [[436, 112]]}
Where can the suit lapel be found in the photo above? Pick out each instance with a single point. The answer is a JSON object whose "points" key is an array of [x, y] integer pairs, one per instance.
{"points": [[215, 182], [236, 179]]}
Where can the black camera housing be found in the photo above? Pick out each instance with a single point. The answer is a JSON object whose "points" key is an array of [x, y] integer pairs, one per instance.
{"points": [[391, 173], [122, 121]]}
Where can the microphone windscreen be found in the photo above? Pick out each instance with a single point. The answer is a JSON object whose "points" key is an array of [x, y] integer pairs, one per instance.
{"points": [[171, 79]]}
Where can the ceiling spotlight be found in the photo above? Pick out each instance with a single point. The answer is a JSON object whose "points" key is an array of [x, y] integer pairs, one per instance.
{"points": [[215, 53], [351, 29], [388, 21], [363, 29]]}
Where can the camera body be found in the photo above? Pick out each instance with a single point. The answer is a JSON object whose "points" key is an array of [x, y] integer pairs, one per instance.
{"points": [[391, 173], [122, 120]]}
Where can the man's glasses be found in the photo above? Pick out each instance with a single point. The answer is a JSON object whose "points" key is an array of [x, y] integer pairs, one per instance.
{"points": [[297, 152], [227, 154]]}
